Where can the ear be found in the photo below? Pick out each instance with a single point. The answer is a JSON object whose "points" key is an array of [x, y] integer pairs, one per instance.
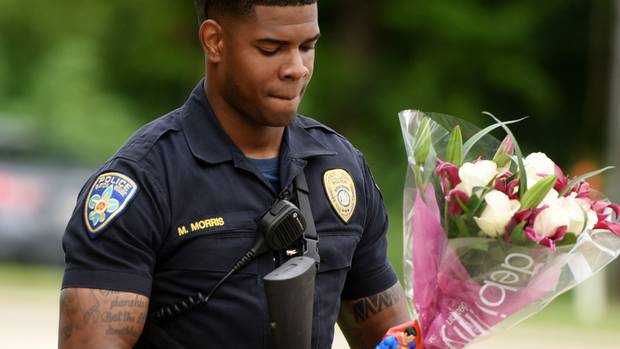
{"points": [[211, 39]]}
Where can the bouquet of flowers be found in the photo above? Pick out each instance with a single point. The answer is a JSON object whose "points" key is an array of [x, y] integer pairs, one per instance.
{"points": [[491, 236]]}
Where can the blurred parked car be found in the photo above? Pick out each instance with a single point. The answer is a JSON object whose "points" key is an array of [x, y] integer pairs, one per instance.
{"points": [[36, 202]]}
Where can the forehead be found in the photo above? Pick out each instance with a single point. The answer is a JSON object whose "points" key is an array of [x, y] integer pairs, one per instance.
{"points": [[282, 21]]}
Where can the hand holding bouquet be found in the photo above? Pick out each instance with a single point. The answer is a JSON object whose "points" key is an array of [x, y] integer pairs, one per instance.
{"points": [[491, 236]]}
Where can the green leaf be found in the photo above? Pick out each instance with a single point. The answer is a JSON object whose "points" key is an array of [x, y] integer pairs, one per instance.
{"points": [[476, 202], [472, 205], [504, 152], [452, 228], [463, 205], [518, 153], [482, 246], [583, 177], [536, 194], [419, 178], [454, 152], [422, 145], [478, 136], [462, 227], [516, 235], [569, 239]]}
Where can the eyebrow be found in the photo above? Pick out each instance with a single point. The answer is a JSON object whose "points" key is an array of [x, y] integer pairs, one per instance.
{"points": [[284, 42]]}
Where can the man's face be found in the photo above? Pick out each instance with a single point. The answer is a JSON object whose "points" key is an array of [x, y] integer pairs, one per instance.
{"points": [[267, 62]]}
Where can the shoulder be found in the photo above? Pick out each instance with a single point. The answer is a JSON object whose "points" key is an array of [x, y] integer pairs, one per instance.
{"points": [[149, 137], [329, 137], [141, 159], [348, 156]]}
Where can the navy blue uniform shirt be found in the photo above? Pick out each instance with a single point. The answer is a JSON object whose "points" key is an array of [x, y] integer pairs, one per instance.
{"points": [[178, 205]]}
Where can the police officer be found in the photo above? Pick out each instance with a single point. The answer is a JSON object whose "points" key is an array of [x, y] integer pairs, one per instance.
{"points": [[179, 203]]}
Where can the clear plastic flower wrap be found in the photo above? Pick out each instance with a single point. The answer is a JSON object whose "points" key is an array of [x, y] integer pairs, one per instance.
{"points": [[492, 237]]}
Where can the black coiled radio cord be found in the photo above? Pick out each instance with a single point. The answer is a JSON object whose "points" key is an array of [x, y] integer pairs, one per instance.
{"points": [[199, 298], [278, 228]]}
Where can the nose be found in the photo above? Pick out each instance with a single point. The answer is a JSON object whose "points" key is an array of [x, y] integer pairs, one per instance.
{"points": [[295, 68]]}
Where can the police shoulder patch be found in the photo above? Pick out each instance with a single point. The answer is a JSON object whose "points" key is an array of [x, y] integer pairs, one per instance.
{"points": [[108, 197], [340, 190]]}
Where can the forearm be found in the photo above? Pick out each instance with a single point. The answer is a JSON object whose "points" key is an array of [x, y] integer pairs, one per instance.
{"points": [[100, 319], [364, 321]]}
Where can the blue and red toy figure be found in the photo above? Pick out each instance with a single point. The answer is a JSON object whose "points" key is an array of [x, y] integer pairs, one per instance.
{"points": [[405, 336]]}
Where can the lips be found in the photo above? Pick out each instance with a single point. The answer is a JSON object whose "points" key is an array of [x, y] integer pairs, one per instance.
{"points": [[288, 94], [285, 97]]}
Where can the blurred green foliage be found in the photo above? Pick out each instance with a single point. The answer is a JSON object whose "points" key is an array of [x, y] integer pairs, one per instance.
{"points": [[88, 74]]}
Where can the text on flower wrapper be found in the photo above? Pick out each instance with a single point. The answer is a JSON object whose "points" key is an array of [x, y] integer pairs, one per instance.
{"points": [[465, 324], [493, 293]]}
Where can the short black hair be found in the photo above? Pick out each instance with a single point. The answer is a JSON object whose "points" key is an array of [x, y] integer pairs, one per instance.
{"points": [[209, 9]]}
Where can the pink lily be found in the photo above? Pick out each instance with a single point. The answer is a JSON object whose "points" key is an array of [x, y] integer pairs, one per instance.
{"points": [[548, 241], [603, 218], [562, 180], [529, 216]]}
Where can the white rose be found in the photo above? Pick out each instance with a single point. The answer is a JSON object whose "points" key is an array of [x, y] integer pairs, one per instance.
{"points": [[477, 174], [550, 219], [497, 214], [550, 199], [537, 166], [581, 216]]}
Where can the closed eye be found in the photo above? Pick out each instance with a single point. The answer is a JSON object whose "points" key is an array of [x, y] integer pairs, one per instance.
{"points": [[268, 51], [306, 48]]}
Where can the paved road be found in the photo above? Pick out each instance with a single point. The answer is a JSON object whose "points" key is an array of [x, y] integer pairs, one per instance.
{"points": [[28, 318]]}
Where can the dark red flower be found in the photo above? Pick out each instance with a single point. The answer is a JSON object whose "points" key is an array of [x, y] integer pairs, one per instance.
{"points": [[449, 174], [507, 186], [454, 196]]}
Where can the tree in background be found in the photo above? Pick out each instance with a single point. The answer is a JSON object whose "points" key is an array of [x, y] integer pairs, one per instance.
{"points": [[87, 74]]}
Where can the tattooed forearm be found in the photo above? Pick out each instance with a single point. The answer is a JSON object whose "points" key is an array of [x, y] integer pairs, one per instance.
{"points": [[68, 308], [124, 331], [369, 306], [364, 321], [136, 302], [100, 318]]}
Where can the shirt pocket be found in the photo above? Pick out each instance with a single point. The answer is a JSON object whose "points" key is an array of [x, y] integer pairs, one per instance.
{"points": [[336, 250], [213, 243]]}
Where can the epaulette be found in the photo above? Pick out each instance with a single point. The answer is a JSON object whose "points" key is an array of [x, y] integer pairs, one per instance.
{"points": [[143, 140]]}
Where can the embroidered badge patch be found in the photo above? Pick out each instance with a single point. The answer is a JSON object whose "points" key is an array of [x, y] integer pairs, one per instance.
{"points": [[340, 190], [108, 197]]}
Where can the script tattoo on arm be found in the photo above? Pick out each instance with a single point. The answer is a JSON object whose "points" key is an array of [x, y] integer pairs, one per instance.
{"points": [[364, 321], [92, 318]]}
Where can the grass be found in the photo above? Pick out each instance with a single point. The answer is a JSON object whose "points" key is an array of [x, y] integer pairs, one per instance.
{"points": [[14, 275]]}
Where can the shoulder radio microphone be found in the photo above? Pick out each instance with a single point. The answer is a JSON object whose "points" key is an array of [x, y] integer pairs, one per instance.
{"points": [[278, 228]]}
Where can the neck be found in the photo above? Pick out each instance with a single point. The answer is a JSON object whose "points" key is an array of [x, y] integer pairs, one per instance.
{"points": [[254, 140]]}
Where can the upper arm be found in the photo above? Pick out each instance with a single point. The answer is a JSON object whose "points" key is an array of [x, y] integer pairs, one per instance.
{"points": [[115, 248], [373, 300], [370, 271], [364, 321], [92, 318]]}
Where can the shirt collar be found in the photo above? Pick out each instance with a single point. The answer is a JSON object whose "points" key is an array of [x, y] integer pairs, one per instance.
{"points": [[208, 141], [301, 144], [206, 138]]}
